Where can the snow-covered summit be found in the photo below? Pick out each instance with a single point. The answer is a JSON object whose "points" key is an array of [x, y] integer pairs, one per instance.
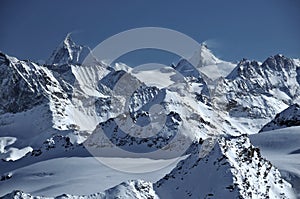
{"points": [[206, 62], [204, 57], [244, 69], [68, 52], [258, 91], [233, 169]]}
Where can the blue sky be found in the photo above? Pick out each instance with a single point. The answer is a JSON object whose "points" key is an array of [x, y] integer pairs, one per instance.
{"points": [[233, 29]]}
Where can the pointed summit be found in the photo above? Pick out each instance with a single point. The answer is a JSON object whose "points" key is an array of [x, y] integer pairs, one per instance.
{"points": [[245, 69], [204, 57], [68, 52], [279, 62], [207, 63], [233, 169]]}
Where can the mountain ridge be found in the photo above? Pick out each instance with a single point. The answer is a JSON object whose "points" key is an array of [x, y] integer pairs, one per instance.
{"points": [[70, 103]]}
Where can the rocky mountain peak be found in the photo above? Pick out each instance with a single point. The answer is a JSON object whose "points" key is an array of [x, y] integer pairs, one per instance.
{"points": [[203, 57], [278, 63], [68, 52], [236, 170], [245, 69], [3, 59]]}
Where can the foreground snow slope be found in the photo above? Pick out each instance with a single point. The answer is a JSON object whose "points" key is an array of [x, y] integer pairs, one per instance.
{"points": [[127, 190], [75, 175], [234, 168], [282, 148]]}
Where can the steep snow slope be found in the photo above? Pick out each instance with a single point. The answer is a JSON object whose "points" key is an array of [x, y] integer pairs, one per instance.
{"points": [[288, 117], [20, 85], [71, 166], [68, 53], [234, 168], [282, 148], [206, 62], [28, 90], [75, 175]]}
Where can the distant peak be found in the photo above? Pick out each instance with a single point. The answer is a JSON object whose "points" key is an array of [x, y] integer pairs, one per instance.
{"points": [[68, 36], [244, 61], [278, 61], [243, 69], [204, 46], [279, 55], [247, 62], [203, 57], [68, 52], [68, 40], [204, 49]]}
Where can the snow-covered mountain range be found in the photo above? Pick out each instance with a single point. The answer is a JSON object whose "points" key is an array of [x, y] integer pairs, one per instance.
{"points": [[60, 114]]}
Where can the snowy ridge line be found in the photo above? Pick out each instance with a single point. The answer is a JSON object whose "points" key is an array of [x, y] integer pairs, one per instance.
{"points": [[233, 169], [287, 118], [131, 189], [66, 104]]}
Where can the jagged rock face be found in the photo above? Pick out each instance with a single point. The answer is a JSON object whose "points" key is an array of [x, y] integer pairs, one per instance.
{"points": [[258, 90], [57, 141], [20, 85], [255, 176], [67, 53], [133, 189], [233, 169], [287, 118], [134, 144], [26, 85], [199, 178]]}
